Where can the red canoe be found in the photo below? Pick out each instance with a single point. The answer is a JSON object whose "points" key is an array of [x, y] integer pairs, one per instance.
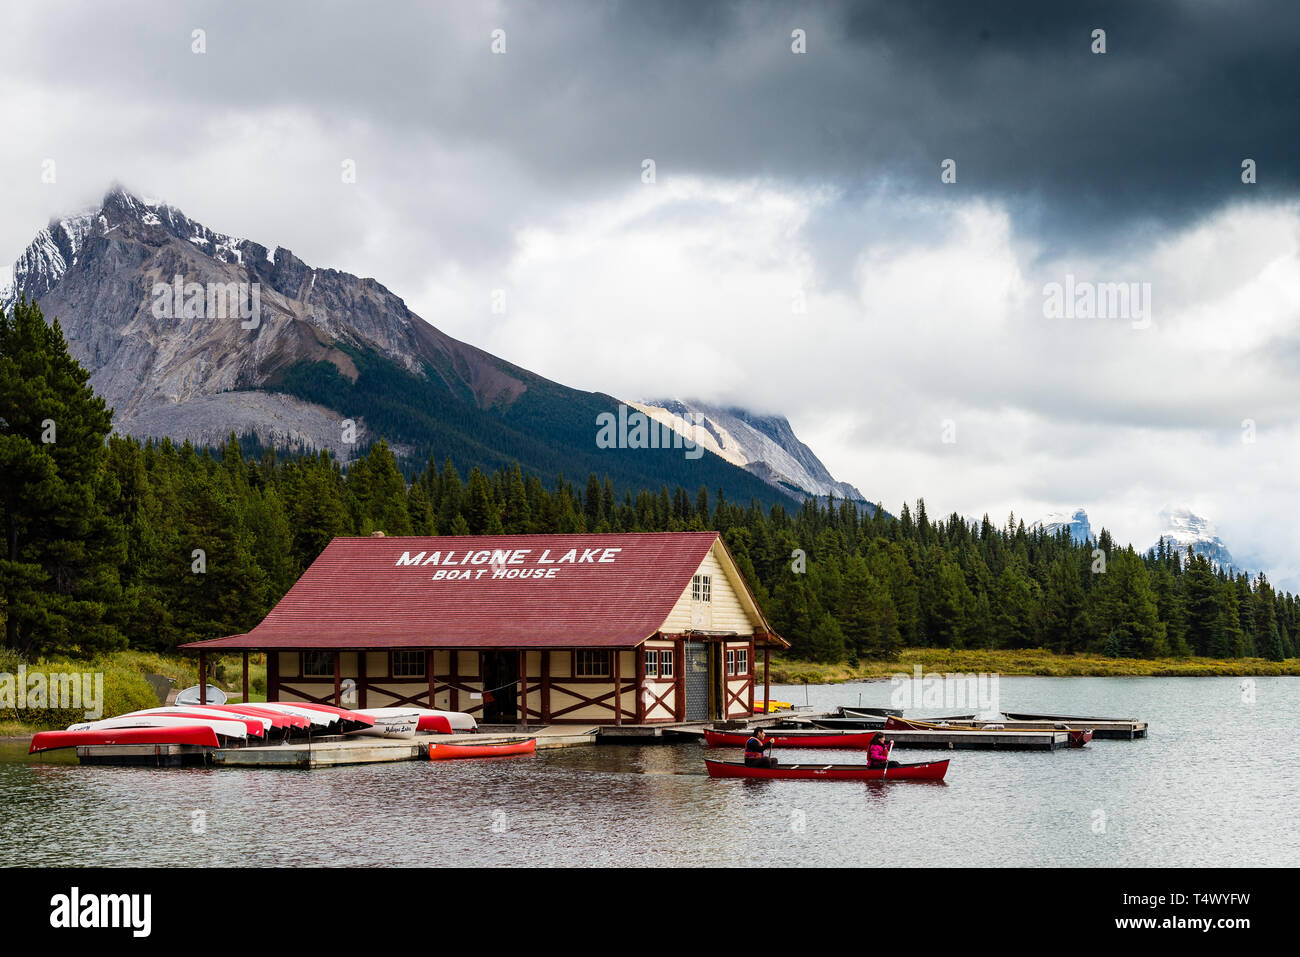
{"points": [[791, 739], [434, 723], [928, 771], [200, 734], [348, 720], [252, 725], [446, 752], [279, 719]]}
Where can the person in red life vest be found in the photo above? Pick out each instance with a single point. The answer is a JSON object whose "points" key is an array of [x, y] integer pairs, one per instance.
{"points": [[755, 748], [878, 752]]}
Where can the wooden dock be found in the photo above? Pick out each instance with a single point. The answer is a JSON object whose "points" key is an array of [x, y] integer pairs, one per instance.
{"points": [[1119, 730], [330, 751], [990, 740], [336, 750]]}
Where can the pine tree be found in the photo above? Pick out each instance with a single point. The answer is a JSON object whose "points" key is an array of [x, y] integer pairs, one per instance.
{"points": [[59, 566]]}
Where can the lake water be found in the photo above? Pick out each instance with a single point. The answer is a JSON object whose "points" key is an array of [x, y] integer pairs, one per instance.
{"points": [[1213, 784]]}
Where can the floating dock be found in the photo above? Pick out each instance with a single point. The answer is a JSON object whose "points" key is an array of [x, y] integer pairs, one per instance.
{"points": [[982, 740], [335, 750], [1115, 729], [328, 751]]}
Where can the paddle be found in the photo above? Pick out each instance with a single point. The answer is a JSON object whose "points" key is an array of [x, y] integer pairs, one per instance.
{"points": [[887, 754]]}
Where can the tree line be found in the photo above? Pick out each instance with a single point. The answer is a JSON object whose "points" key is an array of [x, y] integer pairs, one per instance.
{"points": [[111, 542]]}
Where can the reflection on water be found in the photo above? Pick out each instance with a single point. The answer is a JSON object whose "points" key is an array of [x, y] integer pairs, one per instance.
{"points": [[1212, 785]]}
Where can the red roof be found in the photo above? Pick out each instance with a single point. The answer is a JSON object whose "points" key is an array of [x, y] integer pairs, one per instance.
{"points": [[486, 591]]}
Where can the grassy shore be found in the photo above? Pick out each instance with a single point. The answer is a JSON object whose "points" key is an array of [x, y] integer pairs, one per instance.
{"points": [[126, 687], [1035, 661]]}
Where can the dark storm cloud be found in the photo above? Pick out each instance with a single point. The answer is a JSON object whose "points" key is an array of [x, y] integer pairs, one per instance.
{"points": [[1155, 128]]}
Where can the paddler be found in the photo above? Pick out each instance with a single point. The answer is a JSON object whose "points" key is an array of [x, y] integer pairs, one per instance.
{"points": [[878, 752], [756, 749]]}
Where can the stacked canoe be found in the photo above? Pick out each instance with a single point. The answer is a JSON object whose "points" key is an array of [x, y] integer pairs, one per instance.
{"points": [[235, 725]]}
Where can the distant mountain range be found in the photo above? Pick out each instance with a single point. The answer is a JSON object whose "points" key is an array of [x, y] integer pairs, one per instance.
{"points": [[326, 348], [1179, 527]]}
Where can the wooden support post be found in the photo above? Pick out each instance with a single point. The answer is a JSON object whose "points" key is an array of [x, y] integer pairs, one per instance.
{"points": [[245, 701], [338, 679], [453, 676], [753, 670], [428, 674], [618, 686], [546, 687], [679, 679], [272, 675], [203, 672], [767, 678], [523, 687], [361, 679], [640, 684]]}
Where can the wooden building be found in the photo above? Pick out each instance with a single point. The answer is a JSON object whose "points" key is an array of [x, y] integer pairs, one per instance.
{"points": [[590, 629]]}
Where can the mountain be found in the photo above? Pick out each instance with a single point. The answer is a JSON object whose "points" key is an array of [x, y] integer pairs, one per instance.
{"points": [[1183, 528], [296, 353], [762, 444], [1077, 522], [1180, 527]]}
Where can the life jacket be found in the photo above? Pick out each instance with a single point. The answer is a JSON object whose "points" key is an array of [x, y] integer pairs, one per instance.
{"points": [[753, 748], [878, 755]]}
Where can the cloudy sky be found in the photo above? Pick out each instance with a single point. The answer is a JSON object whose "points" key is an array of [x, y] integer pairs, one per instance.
{"points": [[797, 250]]}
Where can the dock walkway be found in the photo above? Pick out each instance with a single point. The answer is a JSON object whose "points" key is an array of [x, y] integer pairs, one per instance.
{"points": [[328, 751]]}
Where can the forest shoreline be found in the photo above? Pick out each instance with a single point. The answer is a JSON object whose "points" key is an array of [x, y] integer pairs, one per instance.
{"points": [[1035, 662]]}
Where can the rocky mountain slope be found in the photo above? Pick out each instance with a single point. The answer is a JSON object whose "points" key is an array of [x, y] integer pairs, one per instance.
{"points": [[324, 349], [200, 376], [762, 444]]}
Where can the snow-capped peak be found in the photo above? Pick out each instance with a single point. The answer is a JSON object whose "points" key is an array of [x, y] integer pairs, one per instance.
{"points": [[1076, 521], [1183, 528]]}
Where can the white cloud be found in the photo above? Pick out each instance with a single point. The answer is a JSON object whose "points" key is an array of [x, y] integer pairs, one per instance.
{"points": [[686, 289]]}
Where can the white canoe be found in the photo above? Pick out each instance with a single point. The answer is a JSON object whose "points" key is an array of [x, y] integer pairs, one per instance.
{"points": [[211, 695], [319, 719], [391, 722], [219, 714], [229, 729], [458, 720]]}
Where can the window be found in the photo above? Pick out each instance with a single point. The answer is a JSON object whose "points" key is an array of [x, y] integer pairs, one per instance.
{"points": [[731, 661], [701, 588], [742, 661], [318, 664], [409, 664], [592, 664], [666, 663], [652, 664]]}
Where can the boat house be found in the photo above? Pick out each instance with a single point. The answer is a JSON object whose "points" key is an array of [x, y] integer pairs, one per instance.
{"points": [[516, 629]]}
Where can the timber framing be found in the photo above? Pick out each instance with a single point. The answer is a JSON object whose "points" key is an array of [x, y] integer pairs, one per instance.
{"points": [[602, 642]]}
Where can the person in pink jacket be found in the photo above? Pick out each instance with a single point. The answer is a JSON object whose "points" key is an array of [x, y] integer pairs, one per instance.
{"points": [[878, 752]]}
